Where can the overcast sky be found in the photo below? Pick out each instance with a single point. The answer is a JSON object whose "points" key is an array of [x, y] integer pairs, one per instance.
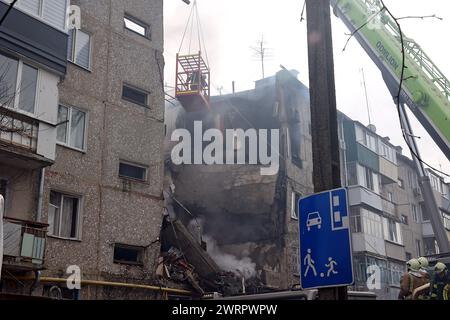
{"points": [[232, 27]]}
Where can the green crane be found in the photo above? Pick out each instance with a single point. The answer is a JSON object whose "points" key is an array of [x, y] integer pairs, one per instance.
{"points": [[425, 89]]}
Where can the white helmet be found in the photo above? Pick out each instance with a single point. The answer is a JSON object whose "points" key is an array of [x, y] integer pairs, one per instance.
{"points": [[413, 265], [423, 262]]}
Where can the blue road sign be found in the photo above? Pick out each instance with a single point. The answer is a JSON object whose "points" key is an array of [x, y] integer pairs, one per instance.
{"points": [[325, 247]]}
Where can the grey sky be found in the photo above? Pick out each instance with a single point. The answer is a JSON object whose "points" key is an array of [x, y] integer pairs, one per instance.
{"points": [[231, 27]]}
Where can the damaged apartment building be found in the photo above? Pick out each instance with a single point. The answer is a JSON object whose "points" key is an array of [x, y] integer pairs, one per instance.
{"points": [[229, 217], [83, 182]]}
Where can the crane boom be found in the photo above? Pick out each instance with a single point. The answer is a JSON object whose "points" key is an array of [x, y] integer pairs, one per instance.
{"points": [[425, 89]]}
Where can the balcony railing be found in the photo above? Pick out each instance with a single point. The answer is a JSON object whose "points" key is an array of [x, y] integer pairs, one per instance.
{"points": [[18, 130], [23, 243]]}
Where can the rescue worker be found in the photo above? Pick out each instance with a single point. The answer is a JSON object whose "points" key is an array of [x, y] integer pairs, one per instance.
{"points": [[197, 79], [425, 268], [411, 280], [441, 282]]}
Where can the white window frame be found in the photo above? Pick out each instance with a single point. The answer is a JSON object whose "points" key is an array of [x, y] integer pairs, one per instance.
{"points": [[138, 22], [68, 124], [74, 44], [79, 215], [146, 168], [17, 89]]}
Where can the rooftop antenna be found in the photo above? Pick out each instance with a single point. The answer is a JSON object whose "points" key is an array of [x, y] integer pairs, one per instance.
{"points": [[262, 53], [365, 92]]}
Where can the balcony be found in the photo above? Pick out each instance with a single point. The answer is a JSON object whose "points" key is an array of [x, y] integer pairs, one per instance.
{"points": [[19, 140], [359, 195], [389, 207], [23, 244]]}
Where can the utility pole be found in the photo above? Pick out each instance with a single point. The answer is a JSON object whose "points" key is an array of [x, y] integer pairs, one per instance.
{"points": [[325, 142]]}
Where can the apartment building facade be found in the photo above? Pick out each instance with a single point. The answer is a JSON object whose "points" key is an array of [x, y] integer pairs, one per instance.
{"points": [[33, 42], [103, 196], [388, 223], [101, 193]]}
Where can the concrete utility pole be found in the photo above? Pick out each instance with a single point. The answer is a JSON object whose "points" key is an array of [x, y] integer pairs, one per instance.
{"points": [[325, 141]]}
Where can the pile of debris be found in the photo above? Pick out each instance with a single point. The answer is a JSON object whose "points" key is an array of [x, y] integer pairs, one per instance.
{"points": [[173, 266]]}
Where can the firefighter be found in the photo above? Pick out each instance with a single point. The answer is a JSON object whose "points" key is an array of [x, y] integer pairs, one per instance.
{"points": [[411, 280], [425, 268], [441, 283]]}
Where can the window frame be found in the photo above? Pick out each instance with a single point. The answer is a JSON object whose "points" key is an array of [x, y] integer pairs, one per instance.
{"points": [[294, 214], [17, 86], [68, 132], [61, 207], [141, 254], [72, 60], [130, 86], [140, 23], [134, 164]]}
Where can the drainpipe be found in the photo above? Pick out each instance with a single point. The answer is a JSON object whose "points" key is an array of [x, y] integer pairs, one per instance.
{"points": [[40, 195]]}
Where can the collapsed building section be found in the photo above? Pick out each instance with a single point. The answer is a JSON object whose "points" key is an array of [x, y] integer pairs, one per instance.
{"points": [[242, 217]]}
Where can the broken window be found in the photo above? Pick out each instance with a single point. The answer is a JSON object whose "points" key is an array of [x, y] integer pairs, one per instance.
{"points": [[127, 254], [63, 215]]}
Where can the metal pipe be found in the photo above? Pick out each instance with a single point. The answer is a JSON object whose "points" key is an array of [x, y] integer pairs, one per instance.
{"points": [[40, 195], [111, 284]]}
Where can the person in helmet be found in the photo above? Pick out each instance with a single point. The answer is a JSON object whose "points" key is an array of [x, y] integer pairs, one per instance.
{"points": [[411, 280], [425, 268], [441, 283]]}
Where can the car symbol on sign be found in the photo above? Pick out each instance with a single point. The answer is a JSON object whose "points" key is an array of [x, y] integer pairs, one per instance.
{"points": [[314, 219]]}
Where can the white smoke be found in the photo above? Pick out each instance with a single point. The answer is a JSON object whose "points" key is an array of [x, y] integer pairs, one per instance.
{"points": [[240, 267]]}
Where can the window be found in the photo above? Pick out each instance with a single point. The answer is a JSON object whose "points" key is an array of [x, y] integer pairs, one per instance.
{"points": [[390, 197], [3, 184], [446, 218], [408, 256], [50, 11], [126, 254], [365, 138], [418, 248], [79, 48], [136, 26], [135, 95], [395, 273], [372, 224], [367, 178], [436, 183], [415, 213], [295, 197], [132, 171], [64, 215], [404, 219], [411, 180], [392, 231], [18, 84], [71, 129], [355, 220], [388, 152], [430, 246]]}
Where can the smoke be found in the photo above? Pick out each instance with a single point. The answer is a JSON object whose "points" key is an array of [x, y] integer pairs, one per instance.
{"points": [[240, 267]]}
